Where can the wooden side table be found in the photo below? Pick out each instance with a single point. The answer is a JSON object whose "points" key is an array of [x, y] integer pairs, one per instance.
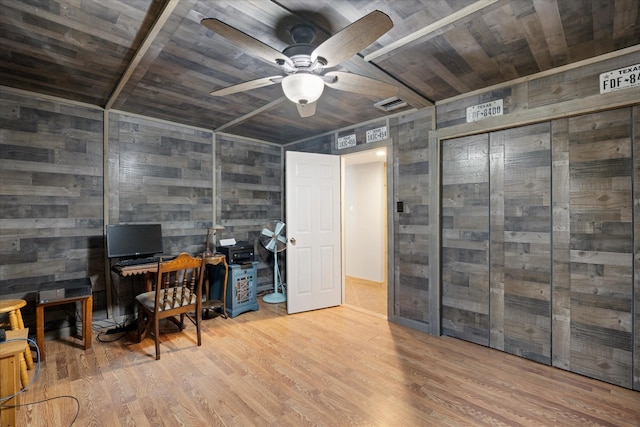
{"points": [[209, 304], [10, 383], [87, 307]]}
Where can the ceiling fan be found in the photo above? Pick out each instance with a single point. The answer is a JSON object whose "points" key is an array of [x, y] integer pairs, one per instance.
{"points": [[304, 65]]}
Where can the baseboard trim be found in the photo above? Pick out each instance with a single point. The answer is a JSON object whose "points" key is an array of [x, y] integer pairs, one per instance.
{"points": [[359, 280]]}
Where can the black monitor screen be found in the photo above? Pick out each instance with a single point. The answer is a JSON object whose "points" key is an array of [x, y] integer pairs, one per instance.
{"points": [[131, 240]]}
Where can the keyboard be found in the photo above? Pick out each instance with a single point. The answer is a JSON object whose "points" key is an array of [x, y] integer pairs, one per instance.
{"points": [[132, 262]]}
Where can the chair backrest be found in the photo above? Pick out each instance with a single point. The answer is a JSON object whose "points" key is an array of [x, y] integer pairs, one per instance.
{"points": [[179, 282]]}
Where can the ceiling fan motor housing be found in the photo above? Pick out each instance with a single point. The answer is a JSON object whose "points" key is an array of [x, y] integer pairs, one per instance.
{"points": [[300, 55]]}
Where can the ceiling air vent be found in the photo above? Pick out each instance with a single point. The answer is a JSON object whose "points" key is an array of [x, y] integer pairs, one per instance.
{"points": [[389, 104]]}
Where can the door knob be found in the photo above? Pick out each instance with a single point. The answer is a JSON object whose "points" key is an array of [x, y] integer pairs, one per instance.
{"points": [[292, 241]]}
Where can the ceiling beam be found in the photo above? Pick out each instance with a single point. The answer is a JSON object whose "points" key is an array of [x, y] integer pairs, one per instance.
{"points": [[162, 18], [385, 52], [358, 65], [250, 115]]}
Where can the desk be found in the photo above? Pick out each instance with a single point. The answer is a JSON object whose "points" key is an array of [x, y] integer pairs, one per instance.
{"points": [[10, 373], [207, 304], [87, 307], [148, 270]]}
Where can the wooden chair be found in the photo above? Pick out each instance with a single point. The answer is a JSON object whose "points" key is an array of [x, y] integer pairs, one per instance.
{"points": [[178, 291]]}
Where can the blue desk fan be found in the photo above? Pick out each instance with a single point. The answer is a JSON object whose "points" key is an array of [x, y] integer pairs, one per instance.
{"points": [[274, 240]]}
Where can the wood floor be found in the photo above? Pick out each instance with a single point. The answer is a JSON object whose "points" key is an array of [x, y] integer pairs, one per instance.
{"points": [[333, 367], [367, 296]]}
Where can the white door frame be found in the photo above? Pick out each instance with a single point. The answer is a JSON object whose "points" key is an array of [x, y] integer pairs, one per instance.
{"points": [[388, 159]]}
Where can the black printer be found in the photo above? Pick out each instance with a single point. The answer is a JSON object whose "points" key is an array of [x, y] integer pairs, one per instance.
{"points": [[240, 253]]}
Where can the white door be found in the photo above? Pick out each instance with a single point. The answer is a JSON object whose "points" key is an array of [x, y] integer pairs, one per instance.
{"points": [[314, 272]]}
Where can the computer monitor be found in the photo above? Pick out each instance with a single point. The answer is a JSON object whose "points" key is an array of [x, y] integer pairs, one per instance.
{"points": [[134, 240]]}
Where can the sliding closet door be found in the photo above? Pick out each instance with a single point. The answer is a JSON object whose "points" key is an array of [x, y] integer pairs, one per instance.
{"points": [[520, 276], [599, 295], [538, 243], [465, 238]]}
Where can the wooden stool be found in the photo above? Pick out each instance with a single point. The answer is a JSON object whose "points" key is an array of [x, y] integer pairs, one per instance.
{"points": [[10, 382], [13, 306]]}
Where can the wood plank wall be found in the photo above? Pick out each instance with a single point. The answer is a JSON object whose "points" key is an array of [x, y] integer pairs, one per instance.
{"points": [[412, 229], [51, 189], [635, 113], [159, 173], [249, 195], [51, 205]]}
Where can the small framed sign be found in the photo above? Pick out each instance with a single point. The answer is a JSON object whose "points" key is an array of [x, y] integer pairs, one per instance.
{"points": [[622, 78], [377, 134], [346, 141], [484, 111]]}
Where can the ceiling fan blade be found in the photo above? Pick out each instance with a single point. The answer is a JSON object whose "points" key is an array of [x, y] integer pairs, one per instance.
{"points": [[253, 46], [355, 83], [306, 110], [353, 38], [252, 84]]}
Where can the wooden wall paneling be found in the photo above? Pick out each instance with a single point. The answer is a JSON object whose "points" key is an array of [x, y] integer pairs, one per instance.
{"points": [[541, 97], [561, 235], [323, 144], [412, 227], [573, 84], [465, 238], [526, 240], [50, 195], [601, 245], [161, 173], [250, 195], [113, 168], [497, 239], [636, 250]]}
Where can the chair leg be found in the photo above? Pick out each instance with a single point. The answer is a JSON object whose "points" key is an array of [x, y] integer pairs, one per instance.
{"points": [[24, 375], [198, 321], [156, 335], [140, 323]]}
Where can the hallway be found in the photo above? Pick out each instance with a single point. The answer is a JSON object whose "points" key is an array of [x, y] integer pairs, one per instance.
{"points": [[366, 296]]}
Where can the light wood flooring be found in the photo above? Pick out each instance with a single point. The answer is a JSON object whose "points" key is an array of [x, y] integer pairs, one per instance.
{"points": [[332, 367], [366, 296]]}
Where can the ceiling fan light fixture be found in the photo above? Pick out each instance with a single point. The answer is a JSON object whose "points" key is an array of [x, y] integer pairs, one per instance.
{"points": [[303, 88]]}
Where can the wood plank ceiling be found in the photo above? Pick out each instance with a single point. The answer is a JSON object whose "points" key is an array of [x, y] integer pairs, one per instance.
{"points": [[153, 57]]}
